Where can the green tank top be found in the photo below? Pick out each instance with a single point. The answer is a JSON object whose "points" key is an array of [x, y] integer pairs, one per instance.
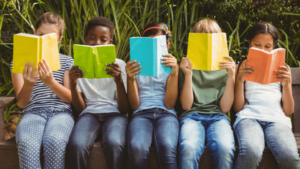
{"points": [[208, 88]]}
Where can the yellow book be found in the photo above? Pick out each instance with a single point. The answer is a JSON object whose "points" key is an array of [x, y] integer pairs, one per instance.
{"points": [[32, 49], [206, 50]]}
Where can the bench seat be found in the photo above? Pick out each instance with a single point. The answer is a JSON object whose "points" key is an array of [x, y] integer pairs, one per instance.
{"points": [[9, 157]]}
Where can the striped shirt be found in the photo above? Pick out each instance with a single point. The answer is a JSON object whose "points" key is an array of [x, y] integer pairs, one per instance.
{"points": [[42, 96]]}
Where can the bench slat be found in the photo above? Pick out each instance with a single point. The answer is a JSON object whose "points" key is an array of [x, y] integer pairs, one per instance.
{"points": [[296, 114], [295, 75], [7, 100]]}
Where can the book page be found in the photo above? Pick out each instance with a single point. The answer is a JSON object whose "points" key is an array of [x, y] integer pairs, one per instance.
{"points": [[161, 50], [218, 49], [198, 51], [28, 35], [103, 55], [84, 58], [142, 50], [49, 51], [278, 59], [26, 49]]}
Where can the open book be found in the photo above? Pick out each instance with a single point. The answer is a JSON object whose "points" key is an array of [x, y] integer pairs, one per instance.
{"points": [[148, 52], [93, 59], [264, 64], [32, 49], [206, 50]]}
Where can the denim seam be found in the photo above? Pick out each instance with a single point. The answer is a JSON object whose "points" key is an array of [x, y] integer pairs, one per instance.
{"points": [[93, 134], [159, 163], [275, 152]]}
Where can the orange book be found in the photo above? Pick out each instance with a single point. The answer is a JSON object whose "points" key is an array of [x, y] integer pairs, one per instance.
{"points": [[264, 64]]}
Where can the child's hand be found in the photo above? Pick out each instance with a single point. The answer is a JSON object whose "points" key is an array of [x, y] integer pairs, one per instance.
{"points": [[170, 61], [45, 73], [132, 69], [115, 72], [229, 66], [284, 75], [186, 66], [244, 70], [29, 77], [74, 74]]}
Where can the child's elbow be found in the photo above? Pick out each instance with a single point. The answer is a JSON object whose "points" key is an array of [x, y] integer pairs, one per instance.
{"points": [[186, 107], [169, 105], [289, 112], [22, 106], [225, 110]]}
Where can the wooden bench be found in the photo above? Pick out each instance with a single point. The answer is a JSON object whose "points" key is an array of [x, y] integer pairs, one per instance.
{"points": [[9, 157]]}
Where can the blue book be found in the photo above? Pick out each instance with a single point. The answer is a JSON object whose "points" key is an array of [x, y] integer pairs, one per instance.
{"points": [[148, 52]]}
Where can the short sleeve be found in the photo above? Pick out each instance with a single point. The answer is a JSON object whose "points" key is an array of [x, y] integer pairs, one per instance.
{"points": [[78, 85], [122, 65], [69, 63]]}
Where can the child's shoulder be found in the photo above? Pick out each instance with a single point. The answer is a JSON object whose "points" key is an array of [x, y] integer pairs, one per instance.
{"points": [[66, 61], [65, 57]]}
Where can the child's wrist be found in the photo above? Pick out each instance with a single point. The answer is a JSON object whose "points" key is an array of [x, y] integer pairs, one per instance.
{"points": [[51, 83], [28, 84], [131, 79]]}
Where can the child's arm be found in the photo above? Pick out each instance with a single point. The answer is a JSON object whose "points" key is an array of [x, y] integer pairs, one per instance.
{"points": [[62, 91], [23, 84], [287, 97], [122, 96], [228, 95], [239, 98], [77, 97], [172, 82], [132, 69], [186, 95]]}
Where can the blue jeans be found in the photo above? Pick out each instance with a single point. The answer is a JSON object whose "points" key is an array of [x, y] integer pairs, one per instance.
{"points": [[87, 128], [215, 131], [252, 135], [49, 128], [155, 126]]}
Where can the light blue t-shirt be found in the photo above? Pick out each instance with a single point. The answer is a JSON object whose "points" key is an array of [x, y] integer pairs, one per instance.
{"points": [[152, 90]]}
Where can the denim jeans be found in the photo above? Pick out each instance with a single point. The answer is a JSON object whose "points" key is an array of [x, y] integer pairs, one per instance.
{"points": [[87, 128], [252, 135], [156, 126], [215, 131], [47, 128]]}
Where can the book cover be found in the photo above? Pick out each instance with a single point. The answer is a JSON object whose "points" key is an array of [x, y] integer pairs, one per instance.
{"points": [[93, 59], [264, 64], [206, 50], [33, 48], [148, 52]]}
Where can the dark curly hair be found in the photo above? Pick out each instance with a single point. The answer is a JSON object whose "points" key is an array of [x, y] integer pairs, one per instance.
{"points": [[100, 21]]}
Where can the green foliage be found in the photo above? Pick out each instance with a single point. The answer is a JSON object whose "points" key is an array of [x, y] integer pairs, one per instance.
{"points": [[131, 16]]}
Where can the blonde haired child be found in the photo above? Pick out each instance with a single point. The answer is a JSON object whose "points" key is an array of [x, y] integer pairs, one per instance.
{"points": [[206, 97]]}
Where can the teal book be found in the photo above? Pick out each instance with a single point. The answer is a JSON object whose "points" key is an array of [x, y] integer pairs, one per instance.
{"points": [[148, 52], [93, 59]]}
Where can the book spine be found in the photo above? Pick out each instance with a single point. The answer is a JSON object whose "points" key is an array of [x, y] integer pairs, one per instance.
{"points": [[210, 51], [155, 57], [269, 68], [40, 48], [95, 59]]}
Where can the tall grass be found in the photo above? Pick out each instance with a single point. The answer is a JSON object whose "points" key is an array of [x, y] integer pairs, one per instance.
{"points": [[129, 18]]}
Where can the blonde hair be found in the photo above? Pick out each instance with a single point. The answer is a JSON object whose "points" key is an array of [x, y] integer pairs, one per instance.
{"points": [[51, 18], [207, 26]]}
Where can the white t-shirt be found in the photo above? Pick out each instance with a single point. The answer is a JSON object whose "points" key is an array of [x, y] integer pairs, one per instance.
{"points": [[100, 95], [264, 104]]}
